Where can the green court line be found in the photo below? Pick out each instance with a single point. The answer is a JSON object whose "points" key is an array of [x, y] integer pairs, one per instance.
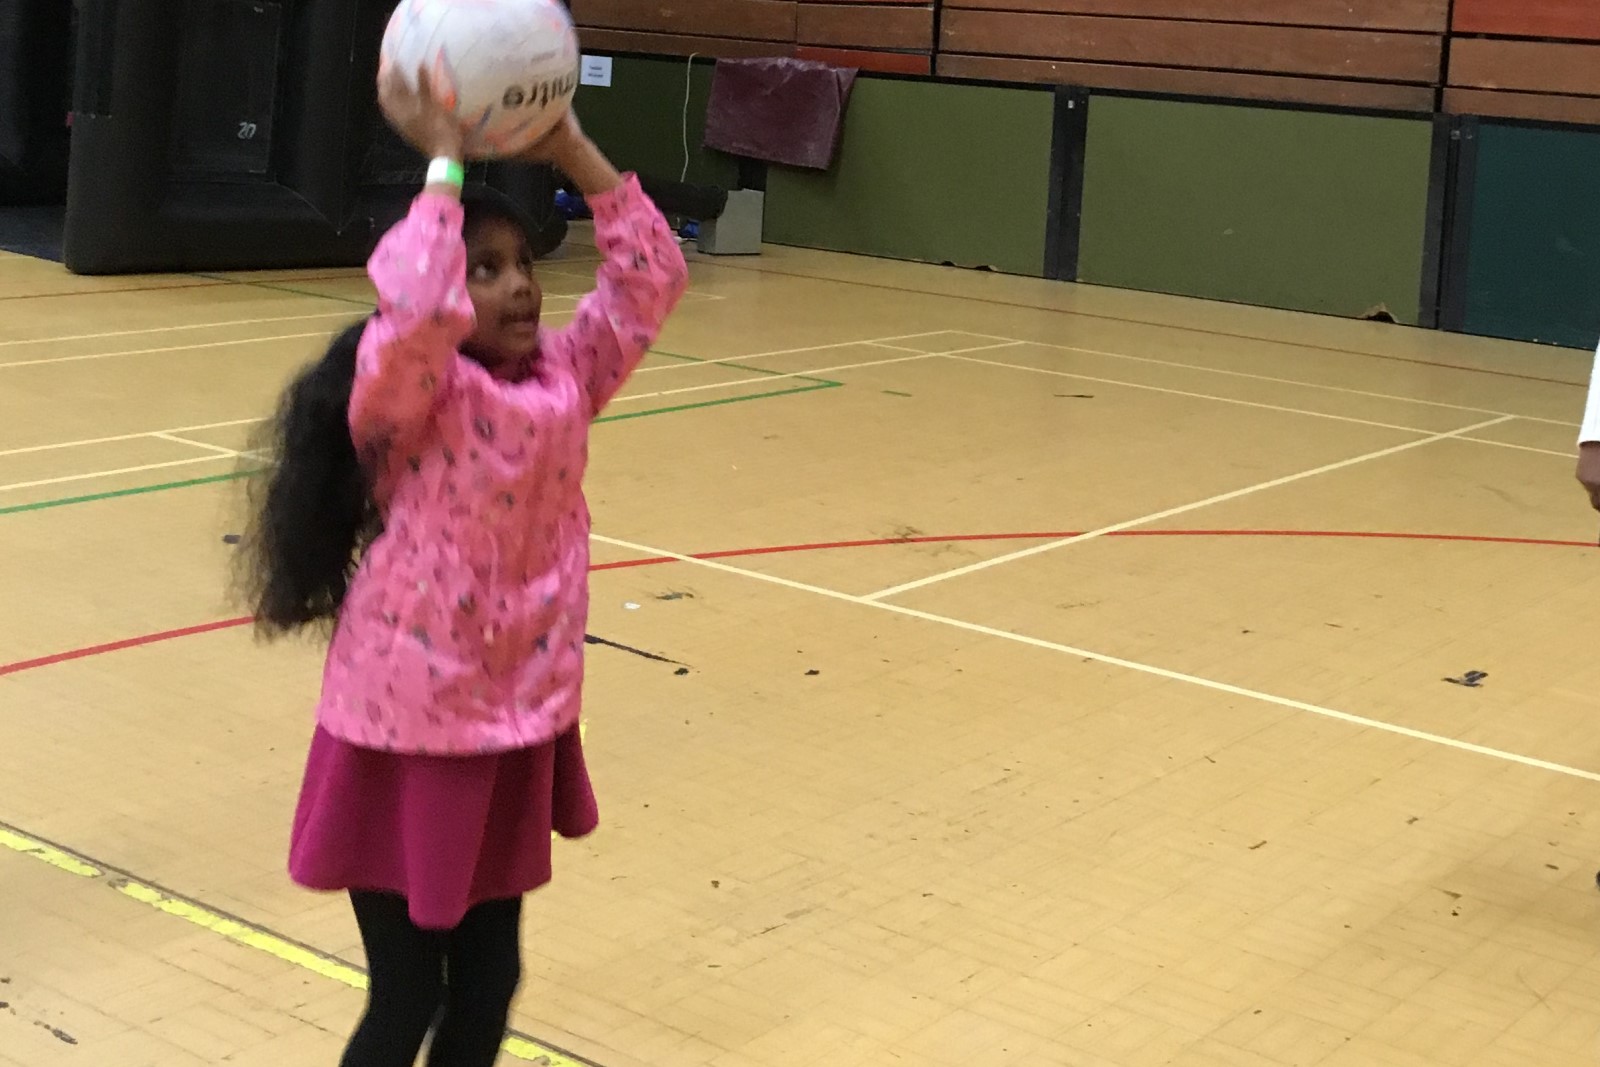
{"points": [[817, 384], [742, 366], [89, 498], [231, 476]]}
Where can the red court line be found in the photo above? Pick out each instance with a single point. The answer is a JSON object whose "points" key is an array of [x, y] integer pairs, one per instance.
{"points": [[1056, 535], [118, 646], [823, 546]]}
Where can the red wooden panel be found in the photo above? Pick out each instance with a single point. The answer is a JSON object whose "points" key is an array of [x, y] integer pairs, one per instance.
{"points": [[1393, 57], [888, 26], [759, 20], [863, 59], [1528, 66], [1573, 19], [1542, 106], [1209, 83], [668, 44], [1428, 16]]}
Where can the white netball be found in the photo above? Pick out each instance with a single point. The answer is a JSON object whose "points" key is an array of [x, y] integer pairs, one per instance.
{"points": [[507, 68]]}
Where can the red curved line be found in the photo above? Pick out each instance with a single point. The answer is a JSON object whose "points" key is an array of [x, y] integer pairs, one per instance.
{"points": [[118, 646], [824, 546], [1057, 535]]}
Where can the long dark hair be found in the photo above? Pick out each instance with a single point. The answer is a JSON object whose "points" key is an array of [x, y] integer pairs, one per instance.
{"points": [[312, 510], [313, 513]]}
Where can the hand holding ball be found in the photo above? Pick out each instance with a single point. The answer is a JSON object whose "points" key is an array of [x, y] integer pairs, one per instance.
{"points": [[502, 73]]}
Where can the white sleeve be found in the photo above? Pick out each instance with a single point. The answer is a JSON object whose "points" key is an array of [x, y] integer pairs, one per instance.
{"points": [[1590, 433]]}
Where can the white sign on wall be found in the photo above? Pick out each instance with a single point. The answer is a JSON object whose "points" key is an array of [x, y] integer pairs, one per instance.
{"points": [[595, 70]]}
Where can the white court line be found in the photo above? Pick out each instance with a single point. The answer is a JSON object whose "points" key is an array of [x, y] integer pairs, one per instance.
{"points": [[689, 295], [175, 439], [778, 377], [903, 348], [1521, 448], [915, 356], [1182, 509], [156, 351], [1117, 661], [174, 329], [962, 357], [173, 434], [589, 276], [190, 348], [1284, 381], [1260, 405], [245, 422], [303, 336], [106, 474], [801, 351], [127, 437]]}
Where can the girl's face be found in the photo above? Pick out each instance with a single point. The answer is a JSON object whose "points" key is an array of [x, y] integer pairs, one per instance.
{"points": [[504, 292]]}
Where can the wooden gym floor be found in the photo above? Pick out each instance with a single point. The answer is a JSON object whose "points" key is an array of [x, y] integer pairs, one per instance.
{"points": [[1066, 686]]}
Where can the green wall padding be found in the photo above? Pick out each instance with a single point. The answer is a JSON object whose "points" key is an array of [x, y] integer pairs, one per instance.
{"points": [[927, 171], [638, 119], [1294, 209], [1533, 267]]}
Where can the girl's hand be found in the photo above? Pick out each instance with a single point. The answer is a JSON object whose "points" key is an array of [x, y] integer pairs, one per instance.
{"points": [[1589, 472], [418, 115], [568, 149], [560, 145]]}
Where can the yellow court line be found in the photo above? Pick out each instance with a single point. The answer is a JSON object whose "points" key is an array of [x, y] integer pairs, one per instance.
{"points": [[55, 857], [242, 934], [517, 1045]]}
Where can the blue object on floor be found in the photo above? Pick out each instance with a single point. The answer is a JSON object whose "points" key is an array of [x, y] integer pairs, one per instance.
{"points": [[573, 207], [33, 231]]}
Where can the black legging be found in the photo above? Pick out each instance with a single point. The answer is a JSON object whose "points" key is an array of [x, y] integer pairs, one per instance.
{"points": [[457, 983]]}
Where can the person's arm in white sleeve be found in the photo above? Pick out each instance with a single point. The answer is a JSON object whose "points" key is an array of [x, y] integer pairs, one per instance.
{"points": [[1590, 433], [1589, 438]]}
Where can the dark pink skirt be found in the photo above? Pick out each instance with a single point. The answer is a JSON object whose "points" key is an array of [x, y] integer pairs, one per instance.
{"points": [[445, 832]]}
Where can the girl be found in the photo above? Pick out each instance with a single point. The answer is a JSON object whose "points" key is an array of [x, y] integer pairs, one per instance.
{"points": [[426, 504]]}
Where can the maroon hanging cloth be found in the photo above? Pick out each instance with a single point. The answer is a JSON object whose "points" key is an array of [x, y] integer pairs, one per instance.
{"points": [[778, 110]]}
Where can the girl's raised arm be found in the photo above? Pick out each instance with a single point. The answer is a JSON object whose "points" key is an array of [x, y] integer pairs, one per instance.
{"points": [[420, 271], [641, 277], [424, 314]]}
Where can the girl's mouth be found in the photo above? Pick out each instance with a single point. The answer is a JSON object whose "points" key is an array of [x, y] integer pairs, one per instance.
{"points": [[522, 322]]}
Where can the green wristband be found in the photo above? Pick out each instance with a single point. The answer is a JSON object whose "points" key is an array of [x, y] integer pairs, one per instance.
{"points": [[446, 171]]}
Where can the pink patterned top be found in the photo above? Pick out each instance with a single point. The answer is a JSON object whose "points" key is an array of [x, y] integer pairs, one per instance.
{"points": [[463, 630]]}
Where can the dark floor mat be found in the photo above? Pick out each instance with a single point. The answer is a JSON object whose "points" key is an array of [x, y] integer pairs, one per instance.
{"points": [[33, 231]]}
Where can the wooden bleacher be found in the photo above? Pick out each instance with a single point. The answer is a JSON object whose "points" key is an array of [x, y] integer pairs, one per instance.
{"points": [[1535, 59], [895, 36], [1532, 59]]}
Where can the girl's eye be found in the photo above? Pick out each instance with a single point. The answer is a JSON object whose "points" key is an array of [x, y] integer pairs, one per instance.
{"points": [[482, 272]]}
